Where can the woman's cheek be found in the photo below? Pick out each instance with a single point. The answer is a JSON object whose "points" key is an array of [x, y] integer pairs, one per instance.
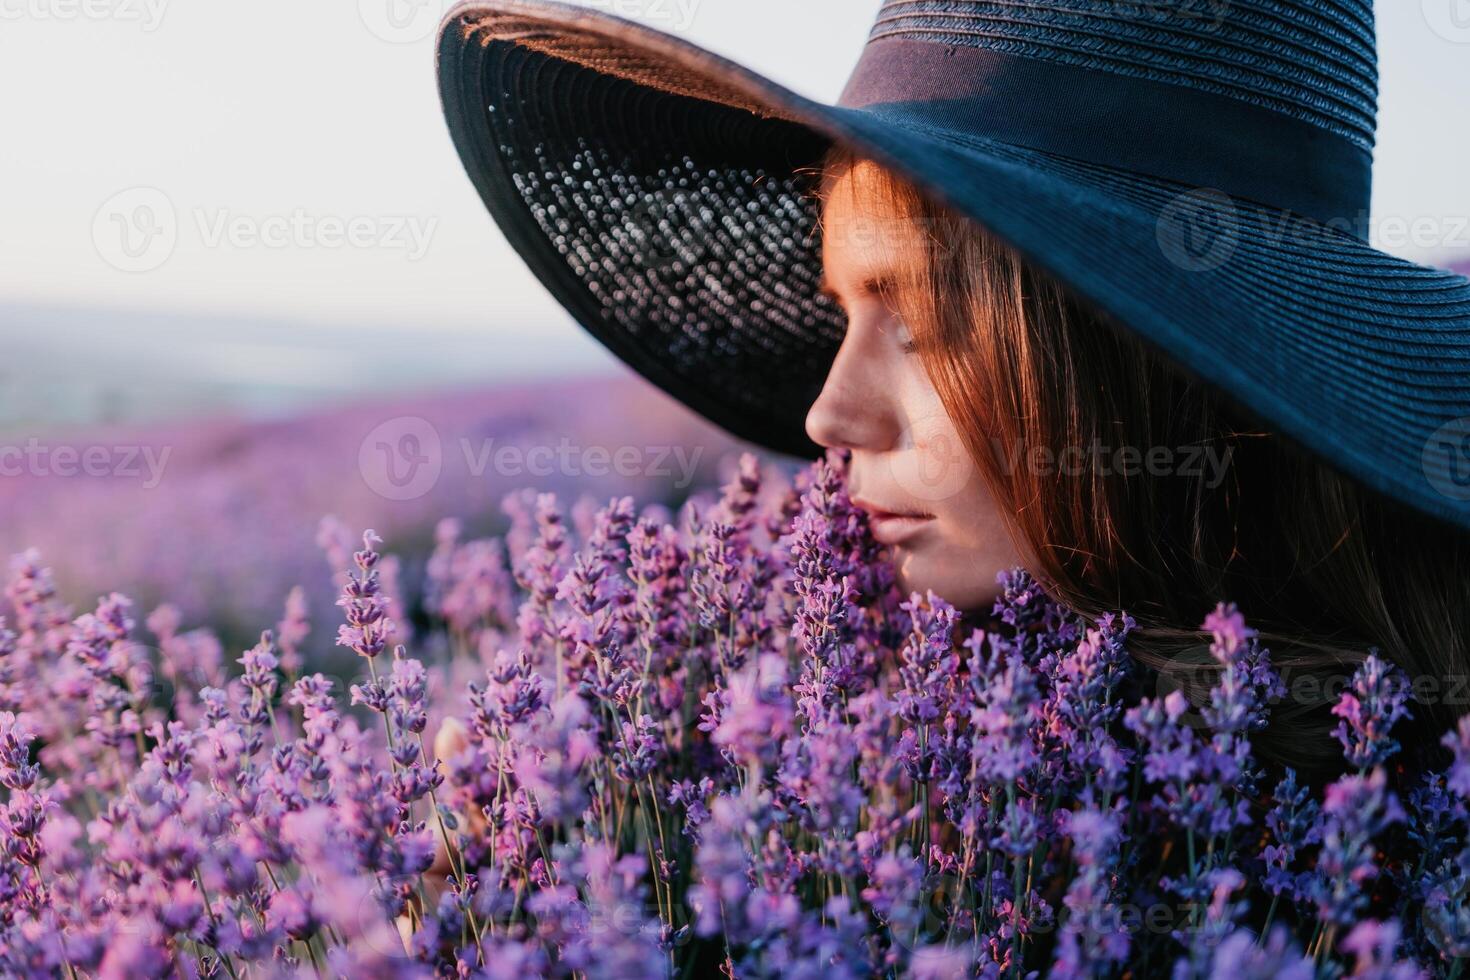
{"points": [[938, 468]]}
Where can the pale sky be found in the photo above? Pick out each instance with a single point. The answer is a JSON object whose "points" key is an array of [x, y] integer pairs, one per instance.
{"points": [[321, 112]]}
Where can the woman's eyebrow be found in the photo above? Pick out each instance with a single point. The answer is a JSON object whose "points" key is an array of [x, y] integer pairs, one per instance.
{"points": [[880, 282]]}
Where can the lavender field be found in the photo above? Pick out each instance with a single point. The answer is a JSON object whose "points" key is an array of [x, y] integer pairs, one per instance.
{"points": [[724, 743], [222, 518]]}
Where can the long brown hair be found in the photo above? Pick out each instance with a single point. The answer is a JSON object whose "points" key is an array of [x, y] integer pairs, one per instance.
{"points": [[1322, 568]]}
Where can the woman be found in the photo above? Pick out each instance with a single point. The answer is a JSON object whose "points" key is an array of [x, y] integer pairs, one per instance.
{"points": [[944, 385], [1080, 286]]}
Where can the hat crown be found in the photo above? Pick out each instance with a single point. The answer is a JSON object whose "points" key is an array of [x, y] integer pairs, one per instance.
{"points": [[1312, 61]]}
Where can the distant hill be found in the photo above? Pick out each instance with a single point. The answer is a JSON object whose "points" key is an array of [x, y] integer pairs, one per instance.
{"points": [[82, 365]]}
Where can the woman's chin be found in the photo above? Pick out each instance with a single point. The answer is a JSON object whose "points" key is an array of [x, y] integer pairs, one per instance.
{"points": [[961, 585]]}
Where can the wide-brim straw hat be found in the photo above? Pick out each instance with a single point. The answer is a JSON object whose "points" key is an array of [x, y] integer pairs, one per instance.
{"points": [[1198, 172]]}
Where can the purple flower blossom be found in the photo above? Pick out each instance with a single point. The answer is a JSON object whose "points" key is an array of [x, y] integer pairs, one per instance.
{"points": [[640, 747], [513, 692], [1082, 706], [1458, 742], [1293, 822], [752, 716], [1376, 700], [1203, 783], [1372, 945], [365, 608], [1093, 936], [292, 631], [1356, 809], [1248, 684], [16, 771], [728, 741], [542, 571], [814, 776], [407, 690], [1007, 709], [1240, 957], [929, 663]]}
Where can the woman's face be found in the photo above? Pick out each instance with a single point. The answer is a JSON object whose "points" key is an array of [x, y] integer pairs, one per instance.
{"points": [[910, 471]]}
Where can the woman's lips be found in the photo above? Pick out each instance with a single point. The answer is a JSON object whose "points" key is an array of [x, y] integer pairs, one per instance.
{"points": [[894, 527]]}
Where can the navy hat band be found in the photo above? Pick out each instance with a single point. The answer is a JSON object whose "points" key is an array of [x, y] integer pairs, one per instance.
{"points": [[1172, 132]]}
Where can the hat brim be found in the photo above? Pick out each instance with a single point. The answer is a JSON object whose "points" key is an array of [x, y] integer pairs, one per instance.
{"points": [[662, 194]]}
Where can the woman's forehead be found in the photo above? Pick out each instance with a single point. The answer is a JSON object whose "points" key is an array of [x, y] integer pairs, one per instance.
{"points": [[861, 242]]}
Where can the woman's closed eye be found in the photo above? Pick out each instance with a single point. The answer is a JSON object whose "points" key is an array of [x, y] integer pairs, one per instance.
{"points": [[879, 287], [883, 288]]}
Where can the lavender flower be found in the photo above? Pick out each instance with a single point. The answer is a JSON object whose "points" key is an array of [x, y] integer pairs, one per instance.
{"points": [[1007, 708], [1240, 957], [16, 771], [1372, 944], [366, 610], [292, 631], [1357, 808], [1240, 698], [1293, 822], [1369, 708], [1458, 742], [727, 740], [541, 573], [1093, 936]]}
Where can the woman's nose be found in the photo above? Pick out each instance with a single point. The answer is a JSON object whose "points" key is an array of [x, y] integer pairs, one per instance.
{"points": [[850, 410]]}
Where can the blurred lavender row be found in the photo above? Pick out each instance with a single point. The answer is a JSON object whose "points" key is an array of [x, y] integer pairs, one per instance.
{"points": [[220, 515]]}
